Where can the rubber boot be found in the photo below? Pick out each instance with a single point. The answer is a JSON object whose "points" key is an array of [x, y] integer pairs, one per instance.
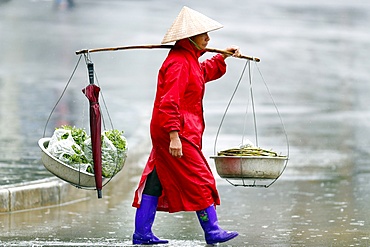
{"points": [[144, 219], [213, 233]]}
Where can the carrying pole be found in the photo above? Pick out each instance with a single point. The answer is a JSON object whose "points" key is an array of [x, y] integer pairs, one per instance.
{"points": [[118, 48]]}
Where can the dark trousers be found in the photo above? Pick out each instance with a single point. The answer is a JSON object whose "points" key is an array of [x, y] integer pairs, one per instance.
{"points": [[153, 186]]}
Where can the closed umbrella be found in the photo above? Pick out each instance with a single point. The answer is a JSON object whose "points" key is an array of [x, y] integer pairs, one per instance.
{"points": [[92, 93]]}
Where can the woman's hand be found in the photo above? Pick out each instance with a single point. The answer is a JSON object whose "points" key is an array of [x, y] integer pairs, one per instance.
{"points": [[232, 49], [175, 144]]}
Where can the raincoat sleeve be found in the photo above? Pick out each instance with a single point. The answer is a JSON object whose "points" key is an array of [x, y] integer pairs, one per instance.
{"points": [[175, 79], [213, 68]]}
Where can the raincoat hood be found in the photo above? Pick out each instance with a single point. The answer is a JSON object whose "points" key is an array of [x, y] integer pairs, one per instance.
{"points": [[189, 46]]}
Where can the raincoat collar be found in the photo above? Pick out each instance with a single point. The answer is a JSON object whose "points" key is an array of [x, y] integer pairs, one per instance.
{"points": [[187, 45]]}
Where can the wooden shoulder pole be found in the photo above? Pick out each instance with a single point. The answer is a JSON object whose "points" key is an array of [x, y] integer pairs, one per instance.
{"points": [[118, 48]]}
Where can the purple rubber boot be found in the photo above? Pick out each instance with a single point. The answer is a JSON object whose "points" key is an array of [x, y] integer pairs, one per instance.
{"points": [[144, 219], [213, 233]]}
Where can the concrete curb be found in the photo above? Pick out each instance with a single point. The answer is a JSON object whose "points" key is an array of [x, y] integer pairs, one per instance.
{"points": [[37, 194]]}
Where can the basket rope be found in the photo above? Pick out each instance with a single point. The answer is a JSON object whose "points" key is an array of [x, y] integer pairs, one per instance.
{"points": [[87, 60], [248, 64]]}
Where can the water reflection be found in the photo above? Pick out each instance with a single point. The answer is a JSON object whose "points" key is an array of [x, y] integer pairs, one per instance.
{"points": [[307, 213]]}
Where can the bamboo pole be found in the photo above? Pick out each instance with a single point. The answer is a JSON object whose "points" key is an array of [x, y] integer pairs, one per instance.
{"points": [[256, 59]]}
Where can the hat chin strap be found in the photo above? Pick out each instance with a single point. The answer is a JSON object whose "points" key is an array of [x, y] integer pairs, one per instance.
{"points": [[196, 45]]}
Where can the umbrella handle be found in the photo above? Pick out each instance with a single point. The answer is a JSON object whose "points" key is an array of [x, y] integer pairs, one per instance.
{"points": [[100, 195], [90, 68]]}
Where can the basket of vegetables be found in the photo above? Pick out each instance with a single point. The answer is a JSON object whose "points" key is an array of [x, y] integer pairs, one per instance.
{"points": [[248, 162], [68, 155]]}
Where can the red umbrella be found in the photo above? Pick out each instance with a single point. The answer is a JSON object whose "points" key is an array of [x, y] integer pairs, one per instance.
{"points": [[92, 93]]}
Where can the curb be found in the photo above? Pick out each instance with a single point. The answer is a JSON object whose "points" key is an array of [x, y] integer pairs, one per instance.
{"points": [[37, 194]]}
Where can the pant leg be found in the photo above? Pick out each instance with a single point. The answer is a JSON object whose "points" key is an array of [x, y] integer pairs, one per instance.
{"points": [[153, 186]]}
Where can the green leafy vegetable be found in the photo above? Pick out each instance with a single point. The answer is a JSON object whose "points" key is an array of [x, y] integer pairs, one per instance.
{"points": [[115, 137], [113, 160], [79, 135], [114, 150]]}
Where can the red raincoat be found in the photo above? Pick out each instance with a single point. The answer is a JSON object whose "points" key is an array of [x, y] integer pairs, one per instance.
{"points": [[188, 183]]}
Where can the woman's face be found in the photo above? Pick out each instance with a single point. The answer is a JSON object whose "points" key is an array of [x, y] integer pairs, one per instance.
{"points": [[201, 40]]}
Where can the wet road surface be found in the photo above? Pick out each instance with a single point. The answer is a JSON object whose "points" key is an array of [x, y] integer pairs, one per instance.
{"points": [[319, 212]]}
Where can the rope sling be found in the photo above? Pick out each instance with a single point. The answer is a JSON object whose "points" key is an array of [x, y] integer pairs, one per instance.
{"points": [[239, 170], [79, 174]]}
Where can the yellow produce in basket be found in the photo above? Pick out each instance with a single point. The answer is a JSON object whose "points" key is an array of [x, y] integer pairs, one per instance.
{"points": [[248, 151]]}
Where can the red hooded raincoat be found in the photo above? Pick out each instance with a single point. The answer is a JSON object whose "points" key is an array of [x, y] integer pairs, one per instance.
{"points": [[188, 183]]}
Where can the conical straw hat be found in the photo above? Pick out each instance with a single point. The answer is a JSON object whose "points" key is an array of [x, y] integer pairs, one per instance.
{"points": [[189, 23]]}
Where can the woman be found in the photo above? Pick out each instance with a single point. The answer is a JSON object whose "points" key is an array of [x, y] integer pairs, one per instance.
{"points": [[177, 176]]}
